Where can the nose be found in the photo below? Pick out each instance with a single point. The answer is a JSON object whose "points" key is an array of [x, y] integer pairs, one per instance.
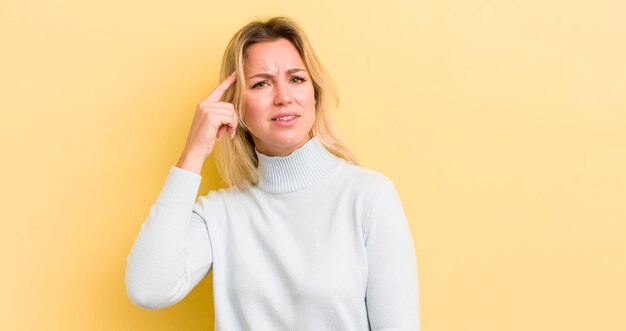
{"points": [[282, 94]]}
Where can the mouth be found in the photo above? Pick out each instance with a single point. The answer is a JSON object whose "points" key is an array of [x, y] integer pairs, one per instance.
{"points": [[286, 121], [285, 117]]}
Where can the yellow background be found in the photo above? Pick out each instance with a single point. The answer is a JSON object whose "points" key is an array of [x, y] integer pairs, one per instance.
{"points": [[502, 123]]}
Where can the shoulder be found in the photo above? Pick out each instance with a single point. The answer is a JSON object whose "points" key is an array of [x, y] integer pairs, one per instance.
{"points": [[376, 185], [364, 178], [217, 199], [374, 194], [362, 185]]}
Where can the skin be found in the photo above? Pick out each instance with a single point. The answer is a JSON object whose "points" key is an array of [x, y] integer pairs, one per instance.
{"points": [[277, 81], [212, 119]]}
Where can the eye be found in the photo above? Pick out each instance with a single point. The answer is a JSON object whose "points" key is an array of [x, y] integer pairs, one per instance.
{"points": [[297, 79], [260, 84]]}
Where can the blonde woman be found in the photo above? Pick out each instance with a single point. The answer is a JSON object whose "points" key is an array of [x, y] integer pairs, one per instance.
{"points": [[303, 238]]}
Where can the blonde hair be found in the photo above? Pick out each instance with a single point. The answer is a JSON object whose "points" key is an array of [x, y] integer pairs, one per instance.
{"points": [[236, 159]]}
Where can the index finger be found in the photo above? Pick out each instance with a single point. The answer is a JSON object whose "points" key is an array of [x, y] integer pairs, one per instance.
{"points": [[217, 93]]}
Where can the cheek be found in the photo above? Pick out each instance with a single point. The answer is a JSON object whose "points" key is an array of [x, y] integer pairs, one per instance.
{"points": [[256, 103], [251, 105], [254, 110], [311, 100], [311, 95], [305, 97]]}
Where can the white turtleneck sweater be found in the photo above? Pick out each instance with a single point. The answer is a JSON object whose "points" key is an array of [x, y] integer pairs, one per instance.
{"points": [[319, 244]]}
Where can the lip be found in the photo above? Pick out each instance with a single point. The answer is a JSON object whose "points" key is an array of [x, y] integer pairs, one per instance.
{"points": [[286, 123], [284, 115]]}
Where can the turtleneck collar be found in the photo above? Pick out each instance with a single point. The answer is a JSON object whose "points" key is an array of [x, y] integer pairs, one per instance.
{"points": [[302, 168]]}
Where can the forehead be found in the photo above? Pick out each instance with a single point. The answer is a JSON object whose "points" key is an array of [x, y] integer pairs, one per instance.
{"points": [[272, 56]]}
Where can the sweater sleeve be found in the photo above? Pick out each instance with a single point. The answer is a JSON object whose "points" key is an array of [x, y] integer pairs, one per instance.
{"points": [[392, 296], [172, 252]]}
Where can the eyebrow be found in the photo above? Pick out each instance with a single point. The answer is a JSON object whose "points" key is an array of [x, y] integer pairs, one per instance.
{"points": [[267, 75]]}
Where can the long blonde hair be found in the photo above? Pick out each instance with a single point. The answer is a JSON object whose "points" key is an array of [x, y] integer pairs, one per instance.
{"points": [[236, 159]]}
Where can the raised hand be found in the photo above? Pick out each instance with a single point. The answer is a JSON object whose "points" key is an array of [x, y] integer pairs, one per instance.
{"points": [[212, 119]]}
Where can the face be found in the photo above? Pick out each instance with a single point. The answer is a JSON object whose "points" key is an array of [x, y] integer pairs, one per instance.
{"points": [[280, 101]]}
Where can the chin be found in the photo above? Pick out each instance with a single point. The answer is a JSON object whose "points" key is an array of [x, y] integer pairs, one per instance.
{"points": [[281, 141], [290, 140]]}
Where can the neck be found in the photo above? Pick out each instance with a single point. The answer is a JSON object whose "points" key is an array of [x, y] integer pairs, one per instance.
{"points": [[280, 151], [302, 168]]}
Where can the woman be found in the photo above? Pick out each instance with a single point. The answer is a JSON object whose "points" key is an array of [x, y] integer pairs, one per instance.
{"points": [[304, 238]]}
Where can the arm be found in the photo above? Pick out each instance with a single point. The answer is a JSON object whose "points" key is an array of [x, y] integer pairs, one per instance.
{"points": [[392, 288], [172, 252]]}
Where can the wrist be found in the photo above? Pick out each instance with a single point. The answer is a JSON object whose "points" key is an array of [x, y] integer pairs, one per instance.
{"points": [[190, 162]]}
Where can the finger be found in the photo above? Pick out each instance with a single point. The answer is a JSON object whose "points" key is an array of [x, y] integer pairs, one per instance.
{"points": [[220, 131], [233, 130], [222, 114], [219, 110], [222, 104], [217, 93], [224, 124], [219, 119], [219, 104]]}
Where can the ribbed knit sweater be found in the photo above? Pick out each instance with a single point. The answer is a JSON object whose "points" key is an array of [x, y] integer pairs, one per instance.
{"points": [[319, 244]]}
